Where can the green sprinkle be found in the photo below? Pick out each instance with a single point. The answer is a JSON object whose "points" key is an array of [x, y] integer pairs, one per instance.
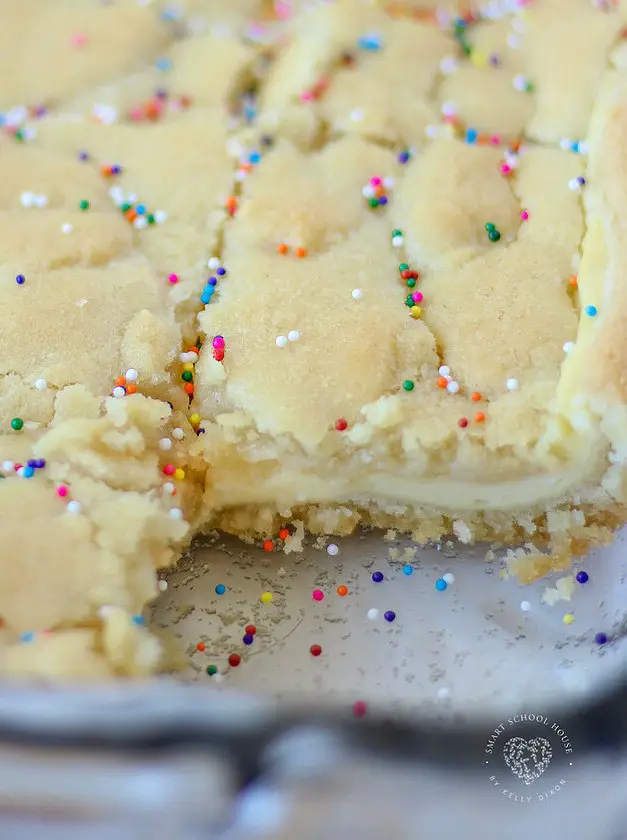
{"points": [[409, 301], [83, 204], [125, 207], [408, 385], [403, 267], [397, 233], [494, 235], [373, 202], [187, 376], [489, 226], [150, 219], [411, 282], [17, 423], [19, 135], [211, 670]]}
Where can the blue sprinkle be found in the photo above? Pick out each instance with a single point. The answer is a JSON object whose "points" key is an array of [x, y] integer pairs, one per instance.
{"points": [[471, 136], [574, 147], [163, 64], [591, 311], [41, 463], [408, 570], [371, 42], [139, 619], [220, 589], [250, 113], [140, 209], [20, 279], [204, 298], [441, 584], [27, 637], [254, 157], [29, 472], [221, 272], [1, 119]]}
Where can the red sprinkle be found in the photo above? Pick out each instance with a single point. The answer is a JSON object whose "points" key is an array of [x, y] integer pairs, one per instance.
{"points": [[283, 534], [218, 354], [341, 425], [200, 646], [234, 660], [250, 628], [315, 650], [268, 545], [359, 708], [462, 422]]}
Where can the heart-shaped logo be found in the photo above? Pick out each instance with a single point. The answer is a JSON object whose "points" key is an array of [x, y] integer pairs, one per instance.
{"points": [[527, 759]]}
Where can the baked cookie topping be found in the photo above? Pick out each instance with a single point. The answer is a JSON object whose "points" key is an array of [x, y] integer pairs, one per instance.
{"points": [[337, 263]]}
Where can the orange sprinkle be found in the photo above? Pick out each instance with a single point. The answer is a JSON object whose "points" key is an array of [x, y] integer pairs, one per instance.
{"points": [[105, 170], [479, 417], [572, 281], [301, 252], [442, 381], [200, 646], [268, 545], [189, 388], [194, 350], [342, 591], [283, 534], [282, 248], [131, 389], [476, 396], [131, 215], [120, 381]]}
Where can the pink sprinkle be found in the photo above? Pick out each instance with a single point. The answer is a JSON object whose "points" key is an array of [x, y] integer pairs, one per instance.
{"points": [[375, 182], [505, 168], [136, 113], [417, 297], [62, 491], [359, 708], [283, 10], [218, 343], [169, 469], [496, 140], [79, 39], [524, 216], [307, 96], [317, 595], [173, 278]]}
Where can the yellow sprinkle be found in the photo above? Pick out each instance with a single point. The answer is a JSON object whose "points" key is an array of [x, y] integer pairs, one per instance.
{"points": [[266, 597], [415, 311], [568, 618], [188, 367], [195, 419], [179, 474], [479, 59]]}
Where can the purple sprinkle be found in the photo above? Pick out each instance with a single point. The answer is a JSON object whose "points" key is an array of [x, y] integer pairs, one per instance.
{"points": [[403, 157], [383, 200], [221, 272], [582, 577], [83, 155], [212, 281], [20, 279], [248, 639], [161, 94], [377, 577], [389, 615], [600, 638], [495, 60]]}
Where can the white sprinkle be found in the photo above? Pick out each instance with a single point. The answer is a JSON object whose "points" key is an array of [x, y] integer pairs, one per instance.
{"points": [[26, 199], [512, 384], [452, 387], [41, 384], [332, 549], [213, 263], [367, 191], [160, 217], [565, 144], [40, 200], [449, 109], [175, 513], [568, 347], [140, 223], [8, 466], [21, 472], [163, 585], [105, 113], [132, 375], [280, 340], [186, 357], [357, 115], [574, 184], [168, 488], [67, 228], [388, 183], [240, 175], [373, 614], [525, 606], [357, 293], [513, 41], [165, 444], [117, 194], [520, 82], [131, 198], [583, 147], [293, 335], [448, 65], [118, 392], [178, 433], [443, 693], [397, 241], [444, 370], [449, 578], [74, 507], [512, 161], [432, 131]]}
